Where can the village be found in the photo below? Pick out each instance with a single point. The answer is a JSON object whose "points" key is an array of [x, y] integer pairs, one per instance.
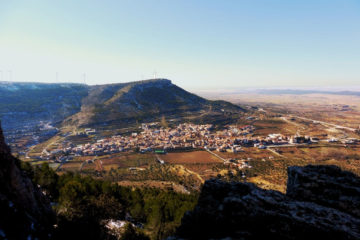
{"points": [[185, 136]]}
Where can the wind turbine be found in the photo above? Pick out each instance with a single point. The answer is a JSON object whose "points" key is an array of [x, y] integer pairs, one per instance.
{"points": [[10, 75]]}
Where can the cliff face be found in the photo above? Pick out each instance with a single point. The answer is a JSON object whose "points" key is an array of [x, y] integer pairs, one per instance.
{"points": [[321, 202], [25, 212]]}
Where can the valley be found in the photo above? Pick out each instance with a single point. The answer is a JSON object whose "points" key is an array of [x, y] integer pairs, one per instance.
{"points": [[172, 144], [255, 144], [179, 120]]}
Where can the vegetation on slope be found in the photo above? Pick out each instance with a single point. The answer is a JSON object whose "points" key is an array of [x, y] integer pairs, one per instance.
{"points": [[24, 102], [125, 103], [83, 203]]}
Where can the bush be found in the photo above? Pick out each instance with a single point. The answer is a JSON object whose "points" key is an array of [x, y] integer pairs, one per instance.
{"points": [[84, 202]]}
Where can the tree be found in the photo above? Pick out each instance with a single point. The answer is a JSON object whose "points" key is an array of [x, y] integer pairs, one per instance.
{"points": [[47, 179], [131, 233]]}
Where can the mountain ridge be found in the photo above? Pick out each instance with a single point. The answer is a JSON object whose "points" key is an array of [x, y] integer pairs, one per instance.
{"points": [[140, 100], [38, 111]]}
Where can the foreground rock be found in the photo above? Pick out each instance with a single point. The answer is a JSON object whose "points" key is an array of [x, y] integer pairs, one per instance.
{"points": [[317, 206], [24, 211], [327, 186]]}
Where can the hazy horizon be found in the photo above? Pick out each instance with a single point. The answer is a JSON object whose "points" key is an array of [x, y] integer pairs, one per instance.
{"points": [[197, 45], [225, 90]]}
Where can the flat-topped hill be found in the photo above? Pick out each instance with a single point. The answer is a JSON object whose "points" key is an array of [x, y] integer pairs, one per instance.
{"points": [[108, 105], [142, 101]]}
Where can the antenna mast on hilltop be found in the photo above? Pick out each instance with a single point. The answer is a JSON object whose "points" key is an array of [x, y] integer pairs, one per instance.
{"points": [[155, 73], [84, 78]]}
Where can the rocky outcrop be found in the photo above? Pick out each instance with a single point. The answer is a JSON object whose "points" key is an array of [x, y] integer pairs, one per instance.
{"points": [[244, 211], [325, 185], [25, 212]]}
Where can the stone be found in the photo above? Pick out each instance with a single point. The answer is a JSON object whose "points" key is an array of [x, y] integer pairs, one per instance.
{"points": [[25, 211], [235, 210]]}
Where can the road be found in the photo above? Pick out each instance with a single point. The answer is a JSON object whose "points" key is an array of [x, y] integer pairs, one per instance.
{"points": [[215, 155], [326, 123], [274, 152], [294, 123], [51, 142], [85, 162]]}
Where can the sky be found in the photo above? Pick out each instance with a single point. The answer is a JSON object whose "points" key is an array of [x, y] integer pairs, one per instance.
{"points": [[198, 44]]}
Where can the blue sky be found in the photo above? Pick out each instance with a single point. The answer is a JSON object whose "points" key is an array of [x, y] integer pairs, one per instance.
{"points": [[199, 44]]}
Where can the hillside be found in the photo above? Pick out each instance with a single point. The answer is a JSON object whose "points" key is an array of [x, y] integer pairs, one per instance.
{"points": [[101, 105], [122, 104], [26, 212], [36, 203], [28, 103]]}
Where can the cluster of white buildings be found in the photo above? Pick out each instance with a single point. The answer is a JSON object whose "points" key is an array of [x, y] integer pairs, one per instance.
{"points": [[184, 136], [155, 138]]}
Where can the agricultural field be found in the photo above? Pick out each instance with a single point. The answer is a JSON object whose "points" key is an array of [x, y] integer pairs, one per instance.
{"points": [[337, 109], [347, 158], [108, 162], [76, 140], [271, 172], [72, 166], [190, 157], [145, 169], [265, 127], [184, 171], [249, 152], [311, 115], [201, 162]]}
